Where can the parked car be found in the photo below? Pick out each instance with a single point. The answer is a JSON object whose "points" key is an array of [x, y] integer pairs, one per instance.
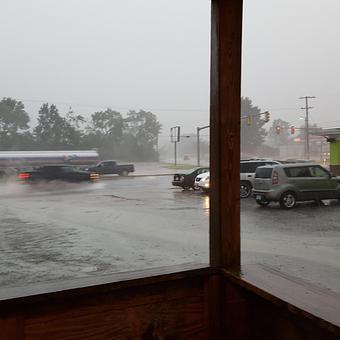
{"points": [[290, 183], [186, 180], [66, 173], [203, 181], [111, 168], [247, 174]]}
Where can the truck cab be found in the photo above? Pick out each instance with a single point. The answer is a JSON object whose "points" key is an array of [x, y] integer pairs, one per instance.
{"points": [[109, 167]]}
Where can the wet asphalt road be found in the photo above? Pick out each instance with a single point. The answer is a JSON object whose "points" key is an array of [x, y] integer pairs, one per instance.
{"points": [[303, 242], [60, 231]]}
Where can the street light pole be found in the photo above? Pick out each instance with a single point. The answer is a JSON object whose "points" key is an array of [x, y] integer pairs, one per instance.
{"points": [[198, 143], [198, 146], [175, 152]]}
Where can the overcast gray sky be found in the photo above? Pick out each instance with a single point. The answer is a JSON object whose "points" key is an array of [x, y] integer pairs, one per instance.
{"points": [[154, 55], [291, 49]]}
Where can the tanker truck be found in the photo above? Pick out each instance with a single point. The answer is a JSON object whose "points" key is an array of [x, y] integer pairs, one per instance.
{"points": [[12, 161]]}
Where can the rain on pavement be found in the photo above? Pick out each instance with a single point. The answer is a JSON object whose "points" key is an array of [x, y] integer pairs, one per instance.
{"points": [[60, 231]]}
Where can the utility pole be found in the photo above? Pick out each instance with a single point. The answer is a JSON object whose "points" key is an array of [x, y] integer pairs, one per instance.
{"points": [[307, 153], [198, 143]]}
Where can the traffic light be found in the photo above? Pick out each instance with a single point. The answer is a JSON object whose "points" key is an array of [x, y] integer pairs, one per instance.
{"points": [[278, 130], [249, 120], [292, 130], [266, 116]]}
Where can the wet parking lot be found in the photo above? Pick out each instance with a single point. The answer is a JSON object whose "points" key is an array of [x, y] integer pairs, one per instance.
{"points": [[59, 231]]}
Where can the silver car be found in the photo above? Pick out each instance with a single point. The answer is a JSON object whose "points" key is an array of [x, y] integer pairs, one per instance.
{"points": [[247, 174], [289, 183]]}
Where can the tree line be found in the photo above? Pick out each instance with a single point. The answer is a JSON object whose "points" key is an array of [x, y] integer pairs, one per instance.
{"points": [[131, 137]]}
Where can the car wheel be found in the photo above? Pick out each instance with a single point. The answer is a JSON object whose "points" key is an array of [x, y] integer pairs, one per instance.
{"points": [[262, 203], [288, 200], [245, 189], [124, 173]]}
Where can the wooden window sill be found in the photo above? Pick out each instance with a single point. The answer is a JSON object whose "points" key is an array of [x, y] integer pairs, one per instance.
{"points": [[101, 284], [299, 297]]}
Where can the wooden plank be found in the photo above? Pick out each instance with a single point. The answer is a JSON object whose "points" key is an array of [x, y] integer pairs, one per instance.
{"points": [[168, 310], [226, 33], [249, 316], [300, 298], [12, 328], [70, 288], [214, 308]]}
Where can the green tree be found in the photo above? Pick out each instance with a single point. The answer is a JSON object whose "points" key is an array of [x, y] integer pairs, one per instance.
{"points": [[253, 134], [50, 131], [105, 132], [73, 130], [108, 123], [281, 138], [141, 133], [13, 123]]}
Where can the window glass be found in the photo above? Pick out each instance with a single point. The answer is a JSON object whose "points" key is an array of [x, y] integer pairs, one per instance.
{"points": [[289, 104], [263, 172], [316, 171], [254, 166], [244, 168], [86, 82], [297, 172]]}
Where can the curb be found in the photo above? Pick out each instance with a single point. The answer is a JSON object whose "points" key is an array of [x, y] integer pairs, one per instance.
{"points": [[112, 177]]}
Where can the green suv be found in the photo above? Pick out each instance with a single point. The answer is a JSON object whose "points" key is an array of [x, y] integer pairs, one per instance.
{"points": [[289, 183]]}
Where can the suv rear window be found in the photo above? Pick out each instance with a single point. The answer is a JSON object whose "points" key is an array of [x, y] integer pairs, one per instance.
{"points": [[263, 172]]}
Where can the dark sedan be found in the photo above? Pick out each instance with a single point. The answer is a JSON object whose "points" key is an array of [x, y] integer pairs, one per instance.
{"points": [[186, 181], [66, 173]]}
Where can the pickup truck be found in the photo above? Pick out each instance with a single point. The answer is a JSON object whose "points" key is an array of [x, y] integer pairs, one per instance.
{"points": [[111, 167]]}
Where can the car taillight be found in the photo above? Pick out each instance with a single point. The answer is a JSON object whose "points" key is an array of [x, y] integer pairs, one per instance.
{"points": [[275, 178], [94, 176], [24, 175]]}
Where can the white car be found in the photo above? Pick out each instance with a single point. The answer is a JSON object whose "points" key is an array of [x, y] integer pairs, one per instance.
{"points": [[202, 181]]}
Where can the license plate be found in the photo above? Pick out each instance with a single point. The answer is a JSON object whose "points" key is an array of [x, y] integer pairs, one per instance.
{"points": [[258, 197]]}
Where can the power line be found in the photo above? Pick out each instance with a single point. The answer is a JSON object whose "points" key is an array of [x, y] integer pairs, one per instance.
{"points": [[113, 106], [128, 108]]}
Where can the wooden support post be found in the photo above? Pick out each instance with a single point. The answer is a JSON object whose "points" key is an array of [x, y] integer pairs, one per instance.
{"points": [[226, 34]]}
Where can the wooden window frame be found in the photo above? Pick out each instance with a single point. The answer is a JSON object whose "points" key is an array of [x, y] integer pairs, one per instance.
{"points": [[304, 300], [226, 38]]}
